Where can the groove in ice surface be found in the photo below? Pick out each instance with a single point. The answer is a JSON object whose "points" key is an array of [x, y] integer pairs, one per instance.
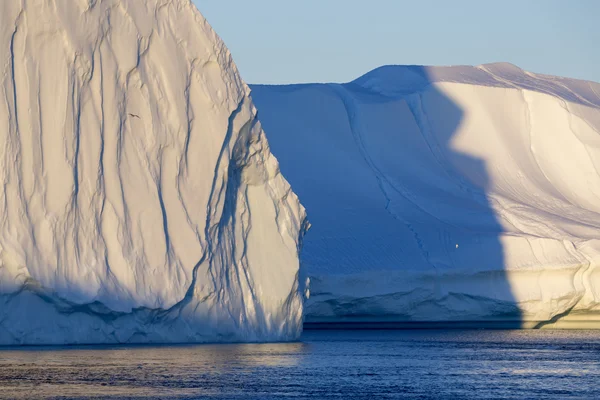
{"points": [[140, 200]]}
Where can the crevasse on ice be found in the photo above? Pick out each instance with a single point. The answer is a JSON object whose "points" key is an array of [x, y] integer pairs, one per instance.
{"points": [[436, 194], [140, 200]]}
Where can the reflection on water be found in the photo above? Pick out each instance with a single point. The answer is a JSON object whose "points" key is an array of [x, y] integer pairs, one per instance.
{"points": [[139, 371], [367, 364]]}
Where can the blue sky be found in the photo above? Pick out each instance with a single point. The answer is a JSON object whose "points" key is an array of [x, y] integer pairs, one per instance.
{"points": [[286, 41]]}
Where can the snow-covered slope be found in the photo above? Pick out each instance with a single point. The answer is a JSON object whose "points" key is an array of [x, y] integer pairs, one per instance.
{"points": [[140, 200], [445, 194]]}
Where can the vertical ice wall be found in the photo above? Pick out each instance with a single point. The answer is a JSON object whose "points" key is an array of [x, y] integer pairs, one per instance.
{"points": [[140, 200]]}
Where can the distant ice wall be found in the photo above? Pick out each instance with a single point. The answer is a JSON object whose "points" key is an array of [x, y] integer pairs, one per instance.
{"points": [[445, 194]]}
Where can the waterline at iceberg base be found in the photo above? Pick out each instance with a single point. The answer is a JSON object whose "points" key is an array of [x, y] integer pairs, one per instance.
{"points": [[140, 201], [445, 196]]}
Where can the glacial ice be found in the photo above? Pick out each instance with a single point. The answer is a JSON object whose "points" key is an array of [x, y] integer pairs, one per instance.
{"points": [[140, 200], [445, 194]]}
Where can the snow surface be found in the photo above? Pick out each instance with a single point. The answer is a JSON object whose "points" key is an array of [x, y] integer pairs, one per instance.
{"points": [[140, 200], [445, 194]]}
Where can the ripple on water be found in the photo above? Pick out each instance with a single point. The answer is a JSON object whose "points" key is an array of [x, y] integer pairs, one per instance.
{"points": [[325, 364]]}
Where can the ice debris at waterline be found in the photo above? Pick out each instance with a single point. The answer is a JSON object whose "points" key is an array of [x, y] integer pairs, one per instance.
{"points": [[445, 194], [140, 200]]}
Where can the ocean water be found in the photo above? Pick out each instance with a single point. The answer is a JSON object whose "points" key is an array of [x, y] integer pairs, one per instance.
{"points": [[419, 364]]}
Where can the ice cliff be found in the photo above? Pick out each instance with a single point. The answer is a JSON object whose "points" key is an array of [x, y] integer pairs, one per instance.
{"points": [[140, 201], [454, 194]]}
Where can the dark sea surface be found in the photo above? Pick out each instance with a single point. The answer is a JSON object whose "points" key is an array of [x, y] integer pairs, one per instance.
{"points": [[419, 364]]}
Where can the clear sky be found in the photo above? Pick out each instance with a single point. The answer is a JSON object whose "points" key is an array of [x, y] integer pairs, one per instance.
{"points": [[287, 41]]}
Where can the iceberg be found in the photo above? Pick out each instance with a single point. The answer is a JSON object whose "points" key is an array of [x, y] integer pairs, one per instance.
{"points": [[465, 196], [140, 201]]}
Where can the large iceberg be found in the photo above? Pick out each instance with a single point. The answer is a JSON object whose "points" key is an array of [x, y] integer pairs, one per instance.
{"points": [[445, 194], [140, 200]]}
